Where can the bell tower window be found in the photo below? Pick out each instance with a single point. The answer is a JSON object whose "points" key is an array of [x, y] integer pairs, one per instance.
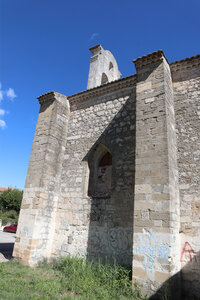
{"points": [[110, 66], [104, 78]]}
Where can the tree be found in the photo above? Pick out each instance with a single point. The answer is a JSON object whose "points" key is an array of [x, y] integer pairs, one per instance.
{"points": [[11, 200]]}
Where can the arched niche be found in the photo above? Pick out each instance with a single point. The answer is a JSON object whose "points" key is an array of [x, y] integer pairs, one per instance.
{"points": [[100, 165]]}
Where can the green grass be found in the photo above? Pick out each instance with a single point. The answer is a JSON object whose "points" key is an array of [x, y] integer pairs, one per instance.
{"points": [[69, 278]]}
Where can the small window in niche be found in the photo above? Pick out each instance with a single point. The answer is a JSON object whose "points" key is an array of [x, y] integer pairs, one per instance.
{"points": [[110, 66], [104, 78], [104, 174]]}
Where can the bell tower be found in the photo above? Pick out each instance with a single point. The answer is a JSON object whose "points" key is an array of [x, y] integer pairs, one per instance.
{"points": [[103, 67]]}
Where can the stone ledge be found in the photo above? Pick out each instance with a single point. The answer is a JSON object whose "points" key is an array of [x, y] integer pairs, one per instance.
{"points": [[103, 89], [50, 97]]}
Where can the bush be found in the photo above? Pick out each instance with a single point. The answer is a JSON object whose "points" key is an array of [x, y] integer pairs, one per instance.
{"points": [[11, 200], [10, 216]]}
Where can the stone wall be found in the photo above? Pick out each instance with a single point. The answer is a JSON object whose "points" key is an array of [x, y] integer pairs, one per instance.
{"points": [[186, 82], [98, 226]]}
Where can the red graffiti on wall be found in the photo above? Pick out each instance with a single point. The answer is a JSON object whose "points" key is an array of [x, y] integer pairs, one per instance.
{"points": [[187, 249]]}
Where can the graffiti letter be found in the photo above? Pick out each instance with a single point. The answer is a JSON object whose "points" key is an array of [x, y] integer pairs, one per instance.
{"points": [[188, 249]]}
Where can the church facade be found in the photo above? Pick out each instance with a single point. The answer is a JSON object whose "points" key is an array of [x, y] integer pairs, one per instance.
{"points": [[114, 173]]}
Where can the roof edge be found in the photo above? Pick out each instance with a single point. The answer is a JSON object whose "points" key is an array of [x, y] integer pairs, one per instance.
{"points": [[124, 82], [187, 63], [155, 53], [102, 89], [185, 59]]}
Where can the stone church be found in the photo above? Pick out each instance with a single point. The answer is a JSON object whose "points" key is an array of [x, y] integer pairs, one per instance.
{"points": [[114, 174]]}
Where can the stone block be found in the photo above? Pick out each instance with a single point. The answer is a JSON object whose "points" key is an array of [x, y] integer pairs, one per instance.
{"points": [[139, 272], [161, 277], [143, 189], [144, 86]]}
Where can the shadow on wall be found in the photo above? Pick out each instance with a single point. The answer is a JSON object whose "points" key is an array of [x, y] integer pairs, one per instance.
{"points": [[111, 161], [185, 284], [112, 215]]}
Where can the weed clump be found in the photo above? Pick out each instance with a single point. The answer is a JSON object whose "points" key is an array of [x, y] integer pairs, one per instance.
{"points": [[96, 280], [68, 278]]}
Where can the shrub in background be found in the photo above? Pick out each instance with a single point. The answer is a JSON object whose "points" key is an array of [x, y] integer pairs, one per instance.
{"points": [[10, 203]]}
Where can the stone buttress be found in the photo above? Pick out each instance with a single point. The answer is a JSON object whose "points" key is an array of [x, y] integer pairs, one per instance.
{"points": [[156, 204], [38, 211]]}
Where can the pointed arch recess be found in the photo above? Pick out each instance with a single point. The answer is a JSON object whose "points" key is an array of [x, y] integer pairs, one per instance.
{"points": [[100, 165]]}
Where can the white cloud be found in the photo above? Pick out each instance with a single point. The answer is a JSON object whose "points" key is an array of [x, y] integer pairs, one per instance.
{"points": [[94, 35], [2, 124], [2, 112], [10, 93]]}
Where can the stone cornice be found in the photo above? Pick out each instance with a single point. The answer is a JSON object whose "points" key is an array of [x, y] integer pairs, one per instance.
{"points": [[151, 58], [187, 63], [103, 89], [140, 62], [47, 97], [97, 91], [50, 97]]}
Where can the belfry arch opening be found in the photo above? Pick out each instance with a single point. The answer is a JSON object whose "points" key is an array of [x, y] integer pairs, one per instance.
{"points": [[110, 66], [104, 78]]}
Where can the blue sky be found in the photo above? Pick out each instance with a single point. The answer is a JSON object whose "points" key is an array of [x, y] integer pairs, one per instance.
{"points": [[44, 46]]}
